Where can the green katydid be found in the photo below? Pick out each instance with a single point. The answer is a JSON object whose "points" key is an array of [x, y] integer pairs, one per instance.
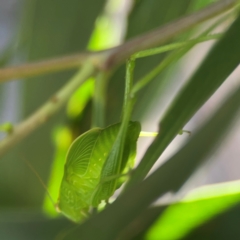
{"points": [[84, 169], [97, 159], [88, 179]]}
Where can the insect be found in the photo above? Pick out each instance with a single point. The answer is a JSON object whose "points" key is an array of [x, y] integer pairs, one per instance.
{"points": [[86, 165]]}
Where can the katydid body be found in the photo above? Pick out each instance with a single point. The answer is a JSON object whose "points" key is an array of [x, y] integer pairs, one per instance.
{"points": [[86, 165], [98, 157]]}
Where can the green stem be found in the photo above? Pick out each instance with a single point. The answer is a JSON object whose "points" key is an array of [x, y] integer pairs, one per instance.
{"points": [[129, 100], [128, 84], [45, 112], [186, 46], [110, 58], [174, 46], [46, 66], [166, 62], [165, 33], [99, 99], [114, 160]]}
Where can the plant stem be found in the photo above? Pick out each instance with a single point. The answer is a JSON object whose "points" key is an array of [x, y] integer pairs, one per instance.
{"points": [[128, 84], [44, 67], [186, 46], [153, 73], [99, 99], [174, 46], [112, 57], [104, 60], [166, 32], [38, 118]]}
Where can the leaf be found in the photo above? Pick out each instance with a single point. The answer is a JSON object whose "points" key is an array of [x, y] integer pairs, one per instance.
{"points": [[62, 138], [49, 29], [195, 209], [207, 79]]}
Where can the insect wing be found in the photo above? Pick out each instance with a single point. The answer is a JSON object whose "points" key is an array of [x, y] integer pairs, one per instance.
{"points": [[106, 187], [74, 194]]}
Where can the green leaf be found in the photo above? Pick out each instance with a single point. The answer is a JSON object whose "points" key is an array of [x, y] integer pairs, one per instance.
{"points": [[62, 138], [196, 208], [49, 29], [207, 79]]}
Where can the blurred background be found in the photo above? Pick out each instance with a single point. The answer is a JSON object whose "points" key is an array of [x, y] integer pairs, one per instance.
{"points": [[34, 30]]}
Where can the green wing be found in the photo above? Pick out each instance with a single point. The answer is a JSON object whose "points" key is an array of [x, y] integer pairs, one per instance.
{"points": [[85, 160], [73, 202], [130, 150], [80, 152], [112, 168]]}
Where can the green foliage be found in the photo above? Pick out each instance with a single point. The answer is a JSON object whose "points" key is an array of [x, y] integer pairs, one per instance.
{"points": [[195, 209], [62, 139], [6, 127], [182, 164], [205, 81], [80, 98], [99, 159]]}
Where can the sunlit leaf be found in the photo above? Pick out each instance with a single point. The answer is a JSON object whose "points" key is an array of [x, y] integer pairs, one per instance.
{"points": [[62, 139], [205, 81], [196, 208]]}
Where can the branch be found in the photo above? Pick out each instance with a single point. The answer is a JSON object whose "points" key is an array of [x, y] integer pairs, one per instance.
{"points": [[46, 66], [103, 60], [110, 58], [166, 32], [38, 118]]}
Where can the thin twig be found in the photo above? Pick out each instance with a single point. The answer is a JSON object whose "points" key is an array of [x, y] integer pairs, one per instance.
{"points": [[38, 118], [165, 33], [105, 60], [47, 66], [118, 54]]}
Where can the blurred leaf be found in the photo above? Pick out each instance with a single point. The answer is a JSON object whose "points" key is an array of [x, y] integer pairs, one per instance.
{"points": [[209, 76], [137, 229], [19, 225], [6, 127], [169, 177], [181, 217], [201, 3], [101, 38], [223, 226], [62, 140], [196, 208], [80, 98], [49, 29]]}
